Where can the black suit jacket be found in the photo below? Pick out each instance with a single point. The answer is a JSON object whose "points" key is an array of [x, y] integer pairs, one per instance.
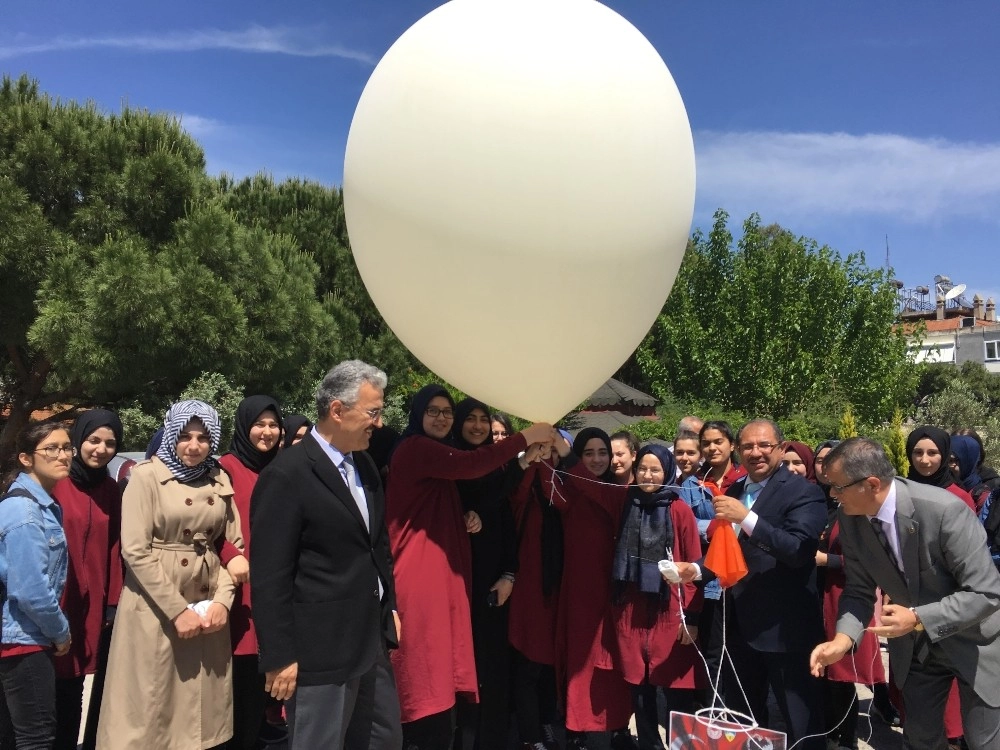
{"points": [[315, 567], [776, 605]]}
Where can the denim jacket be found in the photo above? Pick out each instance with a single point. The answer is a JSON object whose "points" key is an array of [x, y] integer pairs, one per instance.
{"points": [[699, 498], [33, 565]]}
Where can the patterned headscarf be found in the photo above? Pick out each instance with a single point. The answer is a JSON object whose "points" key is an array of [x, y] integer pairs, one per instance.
{"points": [[174, 422]]}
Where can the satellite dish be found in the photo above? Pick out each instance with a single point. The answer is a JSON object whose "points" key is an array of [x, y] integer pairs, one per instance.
{"points": [[955, 291]]}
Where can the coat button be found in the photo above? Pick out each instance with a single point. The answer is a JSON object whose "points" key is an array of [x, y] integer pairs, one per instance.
{"points": [[209, 532], [187, 532], [184, 562], [189, 501], [204, 589], [211, 501]]}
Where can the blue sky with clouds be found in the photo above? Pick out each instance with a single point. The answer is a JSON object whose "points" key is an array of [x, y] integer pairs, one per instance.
{"points": [[845, 122]]}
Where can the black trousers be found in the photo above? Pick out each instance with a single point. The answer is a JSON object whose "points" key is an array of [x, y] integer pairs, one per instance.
{"points": [[69, 712], [249, 699], [28, 708], [534, 687], [432, 732]]}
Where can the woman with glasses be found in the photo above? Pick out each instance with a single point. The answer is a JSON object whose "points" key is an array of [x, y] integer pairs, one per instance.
{"points": [[33, 565], [168, 683], [91, 504], [429, 534], [256, 441], [501, 426]]}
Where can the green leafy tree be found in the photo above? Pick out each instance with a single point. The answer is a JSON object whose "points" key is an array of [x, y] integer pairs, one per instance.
{"points": [[124, 276], [776, 323]]}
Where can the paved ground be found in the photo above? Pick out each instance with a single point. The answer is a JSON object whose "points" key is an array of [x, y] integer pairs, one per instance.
{"points": [[873, 733]]}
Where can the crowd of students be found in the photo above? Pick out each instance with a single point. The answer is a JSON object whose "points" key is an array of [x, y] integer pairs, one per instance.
{"points": [[527, 581]]}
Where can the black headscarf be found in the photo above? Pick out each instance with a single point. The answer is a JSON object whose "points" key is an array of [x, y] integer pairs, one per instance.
{"points": [[463, 409], [154, 443], [583, 437], [293, 423], [415, 424], [84, 476], [247, 413], [943, 477], [647, 531]]}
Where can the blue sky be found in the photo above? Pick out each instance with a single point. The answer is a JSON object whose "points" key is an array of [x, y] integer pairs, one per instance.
{"points": [[845, 122]]}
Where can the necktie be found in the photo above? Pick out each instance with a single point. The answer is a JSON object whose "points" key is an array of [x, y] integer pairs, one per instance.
{"points": [[750, 493], [879, 530], [356, 491]]}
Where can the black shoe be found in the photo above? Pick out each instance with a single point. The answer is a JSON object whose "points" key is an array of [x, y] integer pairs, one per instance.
{"points": [[623, 740], [549, 737], [885, 711]]}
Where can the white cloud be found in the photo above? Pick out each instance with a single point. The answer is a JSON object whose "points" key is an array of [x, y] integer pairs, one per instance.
{"points": [[201, 127], [815, 175], [254, 39]]}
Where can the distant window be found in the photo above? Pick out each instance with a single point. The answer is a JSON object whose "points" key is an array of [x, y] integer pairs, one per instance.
{"points": [[992, 351]]}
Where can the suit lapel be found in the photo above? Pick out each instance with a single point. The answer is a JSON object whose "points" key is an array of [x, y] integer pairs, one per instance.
{"points": [[330, 476], [908, 530]]}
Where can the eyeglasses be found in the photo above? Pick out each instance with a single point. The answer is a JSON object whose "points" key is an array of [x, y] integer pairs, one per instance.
{"points": [[838, 488], [762, 447], [373, 414], [434, 412], [52, 452]]}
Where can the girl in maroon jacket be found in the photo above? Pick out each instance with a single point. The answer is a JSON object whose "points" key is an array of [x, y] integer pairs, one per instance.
{"points": [[256, 441], [432, 563], [91, 503]]}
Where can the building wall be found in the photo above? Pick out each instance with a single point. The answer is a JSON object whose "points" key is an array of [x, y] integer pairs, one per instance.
{"points": [[980, 344]]}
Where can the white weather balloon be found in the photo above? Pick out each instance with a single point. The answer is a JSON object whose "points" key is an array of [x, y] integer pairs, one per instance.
{"points": [[519, 186]]}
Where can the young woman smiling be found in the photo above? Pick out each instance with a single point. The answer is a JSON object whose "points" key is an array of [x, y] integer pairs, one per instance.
{"points": [[432, 563], [494, 567], [169, 683], [256, 441], [718, 446], [33, 565], [91, 502]]}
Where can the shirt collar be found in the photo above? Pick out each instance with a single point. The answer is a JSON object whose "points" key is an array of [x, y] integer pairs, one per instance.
{"points": [[887, 513], [332, 451]]}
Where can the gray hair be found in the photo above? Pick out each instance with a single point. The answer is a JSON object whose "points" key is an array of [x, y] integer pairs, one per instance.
{"points": [[690, 423], [344, 381], [860, 458], [778, 434]]}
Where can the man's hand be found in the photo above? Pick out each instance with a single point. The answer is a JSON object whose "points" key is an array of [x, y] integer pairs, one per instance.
{"points": [[687, 571], [187, 624], [821, 559], [239, 569], [473, 523], [895, 621], [280, 683], [215, 618], [61, 649], [729, 509], [829, 653]]}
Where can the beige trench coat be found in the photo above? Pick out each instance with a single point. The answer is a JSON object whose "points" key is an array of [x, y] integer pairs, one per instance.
{"points": [[163, 692]]}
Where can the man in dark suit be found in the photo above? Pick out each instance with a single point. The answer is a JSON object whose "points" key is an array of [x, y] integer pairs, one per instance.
{"points": [[773, 615], [323, 594], [927, 552]]}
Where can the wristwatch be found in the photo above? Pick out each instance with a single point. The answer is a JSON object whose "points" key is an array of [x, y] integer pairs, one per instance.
{"points": [[919, 627]]}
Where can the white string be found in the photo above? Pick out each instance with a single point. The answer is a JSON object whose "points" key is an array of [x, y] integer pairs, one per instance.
{"points": [[718, 713]]}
